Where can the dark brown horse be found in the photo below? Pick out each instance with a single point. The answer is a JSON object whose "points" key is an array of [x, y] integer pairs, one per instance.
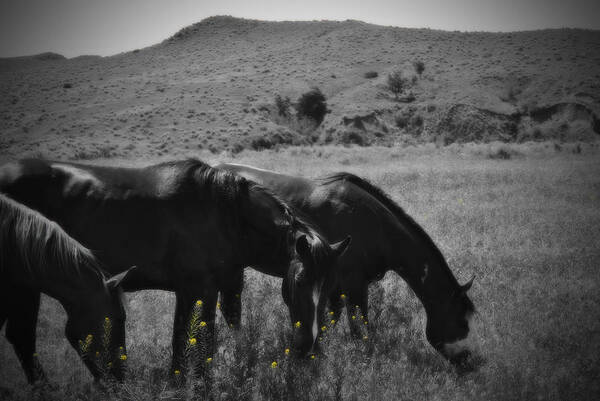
{"points": [[36, 255], [188, 227], [386, 238]]}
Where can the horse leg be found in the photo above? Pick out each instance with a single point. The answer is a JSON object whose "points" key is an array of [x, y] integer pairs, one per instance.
{"points": [[183, 309], [20, 332], [193, 332], [231, 300], [357, 308]]}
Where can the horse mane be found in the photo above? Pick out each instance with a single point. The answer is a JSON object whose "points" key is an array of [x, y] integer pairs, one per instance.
{"points": [[320, 248], [397, 211], [239, 186], [287, 209], [230, 192], [29, 239]]}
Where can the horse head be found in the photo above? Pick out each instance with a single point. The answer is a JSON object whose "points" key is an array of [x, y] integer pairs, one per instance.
{"points": [[305, 287], [96, 327], [449, 328]]}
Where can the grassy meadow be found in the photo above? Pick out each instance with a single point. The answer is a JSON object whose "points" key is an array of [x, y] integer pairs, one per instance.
{"points": [[523, 218]]}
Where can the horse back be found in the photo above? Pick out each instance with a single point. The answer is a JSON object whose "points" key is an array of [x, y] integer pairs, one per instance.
{"points": [[294, 190], [76, 180], [338, 207], [129, 216]]}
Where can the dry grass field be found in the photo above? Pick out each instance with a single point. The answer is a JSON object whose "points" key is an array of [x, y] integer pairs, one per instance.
{"points": [[523, 218]]}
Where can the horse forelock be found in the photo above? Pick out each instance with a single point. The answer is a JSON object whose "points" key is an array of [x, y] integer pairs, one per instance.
{"points": [[39, 244]]}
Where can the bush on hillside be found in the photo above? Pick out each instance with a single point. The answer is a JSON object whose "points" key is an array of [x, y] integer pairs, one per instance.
{"points": [[419, 67], [283, 105], [371, 74], [313, 105], [396, 83]]}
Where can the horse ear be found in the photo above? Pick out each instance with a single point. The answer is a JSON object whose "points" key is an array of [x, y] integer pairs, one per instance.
{"points": [[340, 247], [116, 280], [466, 287], [302, 246]]}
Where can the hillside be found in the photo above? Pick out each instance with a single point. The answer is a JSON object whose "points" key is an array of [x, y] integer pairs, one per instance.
{"points": [[212, 86]]}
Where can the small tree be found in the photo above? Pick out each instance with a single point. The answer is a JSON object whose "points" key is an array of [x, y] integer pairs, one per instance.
{"points": [[396, 83], [313, 105], [419, 67], [283, 105]]}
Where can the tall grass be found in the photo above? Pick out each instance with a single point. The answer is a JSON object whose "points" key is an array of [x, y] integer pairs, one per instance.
{"points": [[528, 228]]}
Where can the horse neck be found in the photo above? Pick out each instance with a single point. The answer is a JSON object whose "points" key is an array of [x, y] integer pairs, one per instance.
{"points": [[420, 263], [266, 244], [73, 291]]}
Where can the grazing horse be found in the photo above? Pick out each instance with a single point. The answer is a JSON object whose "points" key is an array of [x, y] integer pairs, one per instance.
{"points": [[187, 227], [386, 239], [36, 255]]}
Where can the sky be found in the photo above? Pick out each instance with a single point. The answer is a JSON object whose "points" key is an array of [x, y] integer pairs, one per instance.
{"points": [[106, 27]]}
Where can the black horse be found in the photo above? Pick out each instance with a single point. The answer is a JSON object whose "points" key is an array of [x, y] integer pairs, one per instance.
{"points": [[188, 227], [36, 255], [386, 239]]}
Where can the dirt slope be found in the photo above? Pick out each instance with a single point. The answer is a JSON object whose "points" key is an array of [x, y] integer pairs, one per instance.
{"points": [[211, 86]]}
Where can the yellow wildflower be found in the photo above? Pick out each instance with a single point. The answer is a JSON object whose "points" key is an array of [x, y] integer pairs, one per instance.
{"points": [[106, 319], [208, 360], [343, 296], [192, 341], [287, 351], [353, 317], [366, 322], [202, 324], [199, 302], [109, 364], [177, 372], [123, 357], [323, 328], [313, 356], [365, 338], [332, 321], [218, 305], [97, 354], [274, 364], [298, 324], [330, 313]]}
